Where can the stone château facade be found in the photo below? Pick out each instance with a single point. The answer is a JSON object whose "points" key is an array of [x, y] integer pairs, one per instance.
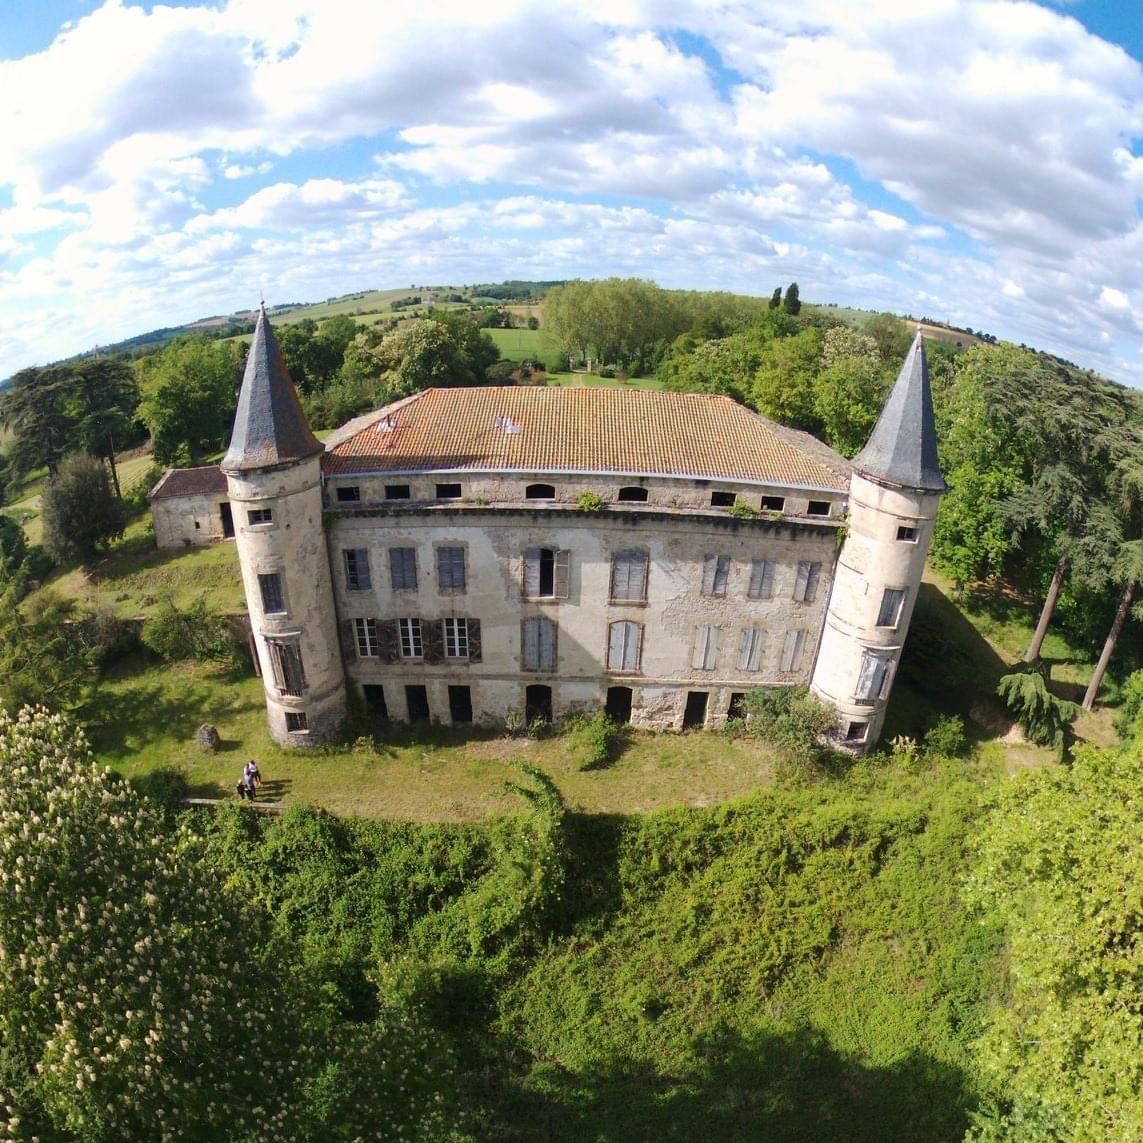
{"points": [[464, 553]]}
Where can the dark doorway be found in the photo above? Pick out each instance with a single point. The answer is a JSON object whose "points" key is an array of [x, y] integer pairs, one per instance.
{"points": [[737, 707], [695, 714], [227, 520], [417, 700], [460, 704], [374, 695], [537, 704], [619, 704]]}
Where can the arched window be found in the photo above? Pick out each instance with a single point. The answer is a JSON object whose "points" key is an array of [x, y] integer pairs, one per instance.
{"points": [[633, 494], [540, 492]]}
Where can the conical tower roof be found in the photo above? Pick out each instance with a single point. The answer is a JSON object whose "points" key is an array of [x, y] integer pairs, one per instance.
{"points": [[902, 448], [269, 427]]}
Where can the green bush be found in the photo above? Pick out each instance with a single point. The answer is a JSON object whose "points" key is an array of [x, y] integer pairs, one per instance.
{"points": [[798, 724], [946, 737], [590, 740], [1131, 703], [1040, 714], [193, 633], [589, 502]]}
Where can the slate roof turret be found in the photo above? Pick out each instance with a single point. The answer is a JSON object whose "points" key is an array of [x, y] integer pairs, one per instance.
{"points": [[902, 448], [269, 427]]}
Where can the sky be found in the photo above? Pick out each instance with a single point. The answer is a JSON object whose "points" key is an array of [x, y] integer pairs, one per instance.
{"points": [[973, 161]]}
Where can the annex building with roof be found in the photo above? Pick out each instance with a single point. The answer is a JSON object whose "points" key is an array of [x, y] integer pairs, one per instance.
{"points": [[464, 553]]}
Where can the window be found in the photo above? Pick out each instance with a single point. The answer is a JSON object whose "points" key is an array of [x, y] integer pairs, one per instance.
{"points": [[374, 695], [856, 731], [818, 508], [539, 645], [540, 492], [365, 631], [874, 676], [260, 516], [403, 569], [761, 579], [907, 534], [546, 573], [417, 702], [357, 576], [792, 647], [624, 646], [459, 705], [629, 575], [706, 647], [891, 603], [715, 572], [273, 601], [286, 666], [397, 492], [456, 638], [806, 584], [722, 499], [296, 721], [448, 491], [348, 493], [410, 637], [632, 494], [773, 503], [450, 570], [750, 649]]}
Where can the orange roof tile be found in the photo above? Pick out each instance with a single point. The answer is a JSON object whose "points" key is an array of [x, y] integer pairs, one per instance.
{"points": [[534, 429]]}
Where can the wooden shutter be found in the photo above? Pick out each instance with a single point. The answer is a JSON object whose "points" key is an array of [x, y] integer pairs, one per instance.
{"points": [[761, 579], [562, 574], [802, 581], [634, 650], [547, 645], [750, 650], [348, 638], [792, 650], [532, 573], [474, 641], [615, 642], [709, 567], [812, 577], [721, 574], [706, 647], [387, 640], [432, 640], [530, 644]]}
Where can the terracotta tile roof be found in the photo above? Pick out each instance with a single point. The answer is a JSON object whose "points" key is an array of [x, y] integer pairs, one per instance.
{"points": [[534, 429], [203, 481]]}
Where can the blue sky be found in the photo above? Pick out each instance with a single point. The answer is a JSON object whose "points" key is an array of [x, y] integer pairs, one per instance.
{"points": [[978, 161]]}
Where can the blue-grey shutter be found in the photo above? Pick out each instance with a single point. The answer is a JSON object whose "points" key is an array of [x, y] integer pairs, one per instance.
{"points": [[532, 572]]}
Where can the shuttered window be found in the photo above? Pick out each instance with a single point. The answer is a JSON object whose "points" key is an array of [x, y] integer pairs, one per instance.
{"points": [[546, 573], [450, 570], [891, 603], [706, 647], [715, 572], [761, 579], [629, 575], [539, 644], [750, 649], [286, 665], [403, 569], [456, 638], [624, 646], [792, 647], [411, 639], [806, 584], [365, 634], [874, 675], [357, 577]]}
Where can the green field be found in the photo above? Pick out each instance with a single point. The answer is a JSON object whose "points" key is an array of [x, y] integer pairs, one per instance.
{"points": [[528, 345]]}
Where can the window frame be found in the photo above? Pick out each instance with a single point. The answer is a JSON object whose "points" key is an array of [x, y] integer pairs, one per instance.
{"points": [[543, 663], [447, 554], [876, 668], [533, 491], [285, 655], [750, 649], [715, 575], [776, 504], [455, 638], [631, 494], [793, 648], [912, 533], [442, 494], [296, 722], [411, 638], [761, 584], [705, 654], [813, 508], [366, 637], [720, 498], [398, 492], [259, 517], [404, 572], [807, 580], [356, 577], [630, 655], [630, 573], [901, 594], [347, 493], [560, 573], [279, 586]]}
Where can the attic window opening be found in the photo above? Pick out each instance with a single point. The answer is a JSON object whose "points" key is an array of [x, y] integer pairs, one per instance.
{"points": [[773, 503], [260, 516], [722, 499], [397, 492], [632, 494], [348, 493], [907, 534], [818, 508], [540, 492], [448, 491]]}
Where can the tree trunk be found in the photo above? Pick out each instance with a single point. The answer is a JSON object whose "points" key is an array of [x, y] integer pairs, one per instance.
{"points": [[114, 471], [1033, 652], [1109, 645]]}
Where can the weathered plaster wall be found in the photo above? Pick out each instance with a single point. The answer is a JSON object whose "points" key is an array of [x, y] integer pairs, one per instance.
{"points": [[187, 521], [495, 542]]}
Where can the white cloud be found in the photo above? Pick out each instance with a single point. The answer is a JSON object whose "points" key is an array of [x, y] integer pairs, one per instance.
{"points": [[1112, 299]]}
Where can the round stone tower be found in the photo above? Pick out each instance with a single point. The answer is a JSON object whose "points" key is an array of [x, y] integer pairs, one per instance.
{"points": [[273, 473], [893, 498]]}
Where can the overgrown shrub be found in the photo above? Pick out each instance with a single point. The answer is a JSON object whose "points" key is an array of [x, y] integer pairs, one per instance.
{"points": [[1131, 703], [791, 719], [107, 635], [946, 737], [135, 498], [589, 502], [192, 633], [590, 740], [1040, 714]]}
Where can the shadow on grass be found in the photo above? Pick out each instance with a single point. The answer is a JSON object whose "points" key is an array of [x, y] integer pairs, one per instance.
{"points": [[947, 667], [776, 1086]]}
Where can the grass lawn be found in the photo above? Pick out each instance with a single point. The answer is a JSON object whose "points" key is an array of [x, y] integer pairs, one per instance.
{"points": [[145, 718], [527, 344]]}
